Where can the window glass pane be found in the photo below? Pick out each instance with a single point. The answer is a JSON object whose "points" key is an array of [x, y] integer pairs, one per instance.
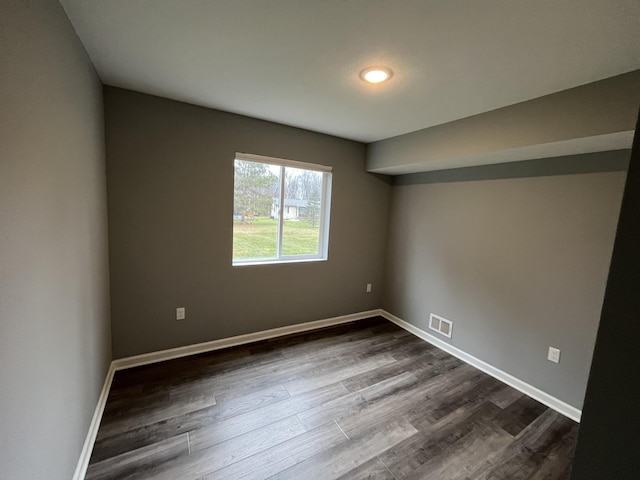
{"points": [[255, 210], [303, 204], [279, 210]]}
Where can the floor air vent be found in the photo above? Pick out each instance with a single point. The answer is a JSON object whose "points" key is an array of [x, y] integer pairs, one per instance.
{"points": [[441, 325]]}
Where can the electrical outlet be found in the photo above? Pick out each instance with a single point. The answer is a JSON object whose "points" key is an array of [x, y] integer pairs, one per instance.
{"points": [[554, 355], [180, 313], [368, 288]]}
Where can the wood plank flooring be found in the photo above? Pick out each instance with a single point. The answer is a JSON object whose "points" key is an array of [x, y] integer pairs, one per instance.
{"points": [[364, 400]]}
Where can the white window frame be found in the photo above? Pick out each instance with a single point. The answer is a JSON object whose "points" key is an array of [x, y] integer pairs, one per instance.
{"points": [[325, 210]]}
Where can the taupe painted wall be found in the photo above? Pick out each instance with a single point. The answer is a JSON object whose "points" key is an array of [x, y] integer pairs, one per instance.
{"points": [[517, 264], [55, 343], [170, 193]]}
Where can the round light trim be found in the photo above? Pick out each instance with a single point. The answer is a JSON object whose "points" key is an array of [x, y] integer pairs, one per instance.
{"points": [[376, 74]]}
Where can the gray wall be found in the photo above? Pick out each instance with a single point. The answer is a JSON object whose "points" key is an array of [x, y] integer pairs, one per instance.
{"points": [[518, 264], [54, 298], [170, 194], [597, 109]]}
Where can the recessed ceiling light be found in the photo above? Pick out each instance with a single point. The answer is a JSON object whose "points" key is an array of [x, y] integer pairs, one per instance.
{"points": [[376, 74]]}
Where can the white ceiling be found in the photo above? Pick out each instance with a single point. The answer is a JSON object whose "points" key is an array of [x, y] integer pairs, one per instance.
{"points": [[297, 61]]}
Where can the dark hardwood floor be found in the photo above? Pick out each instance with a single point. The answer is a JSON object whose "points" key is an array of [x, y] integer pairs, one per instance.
{"points": [[365, 400]]}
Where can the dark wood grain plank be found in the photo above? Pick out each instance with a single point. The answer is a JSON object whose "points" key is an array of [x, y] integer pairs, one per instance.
{"points": [[505, 397], [285, 371], [305, 384], [151, 433], [374, 469], [409, 456], [407, 400], [278, 458], [547, 444], [355, 401], [240, 424], [413, 364], [459, 458], [343, 458], [168, 407], [517, 416], [139, 461], [422, 415], [203, 459]]}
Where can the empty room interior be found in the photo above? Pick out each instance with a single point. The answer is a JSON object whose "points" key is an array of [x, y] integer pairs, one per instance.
{"points": [[319, 239]]}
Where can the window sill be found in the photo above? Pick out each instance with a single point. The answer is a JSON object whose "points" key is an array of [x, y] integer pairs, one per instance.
{"points": [[276, 262]]}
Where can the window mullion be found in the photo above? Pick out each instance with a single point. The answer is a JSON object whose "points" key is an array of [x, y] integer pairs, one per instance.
{"points": [[253, 190], [280, 214], [322, 218]]}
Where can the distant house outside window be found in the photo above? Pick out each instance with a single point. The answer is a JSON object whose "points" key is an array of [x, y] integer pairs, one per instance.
{"points": [[280, 210]]}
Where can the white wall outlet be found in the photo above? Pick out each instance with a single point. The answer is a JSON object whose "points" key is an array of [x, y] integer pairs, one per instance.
{"points": [[180, 313], [368, 288], [554, 355]]}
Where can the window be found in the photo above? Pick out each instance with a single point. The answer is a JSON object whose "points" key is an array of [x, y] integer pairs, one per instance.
{"points": [[280, 210]]}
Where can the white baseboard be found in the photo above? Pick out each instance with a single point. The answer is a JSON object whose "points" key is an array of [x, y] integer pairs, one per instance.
{"points": [[558, 405], [87, 448], [159, 356], [178, 352]]}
